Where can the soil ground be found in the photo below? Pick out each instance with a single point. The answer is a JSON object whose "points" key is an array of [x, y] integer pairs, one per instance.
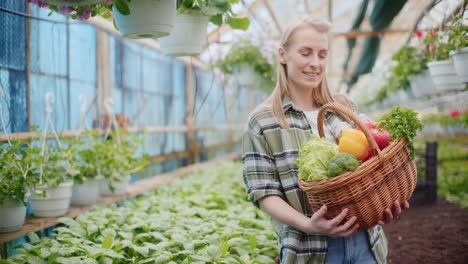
{"points": [[427, 234]]}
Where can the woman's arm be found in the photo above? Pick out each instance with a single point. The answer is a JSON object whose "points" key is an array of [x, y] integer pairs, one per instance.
{"points": [[317, 224]]}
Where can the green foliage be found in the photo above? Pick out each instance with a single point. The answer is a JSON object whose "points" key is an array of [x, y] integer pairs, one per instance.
{"points": [[453, 37], [219, 11], [446, 119], [402, 123], [97, 157], [409, 61], [102, 9], [19, 171], [341, 163], [56, 165], [244, 52], [204, 218], [437, 46], [458, 34], [452, 181]]}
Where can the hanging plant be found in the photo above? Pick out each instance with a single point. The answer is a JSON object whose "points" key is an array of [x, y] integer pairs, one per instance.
{"points": [[193, 16], [219, 11], [257, 55], [81, 9], [19, 174]]}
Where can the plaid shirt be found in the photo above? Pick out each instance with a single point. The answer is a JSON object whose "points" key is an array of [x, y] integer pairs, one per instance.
{"points": [[269, 153]]}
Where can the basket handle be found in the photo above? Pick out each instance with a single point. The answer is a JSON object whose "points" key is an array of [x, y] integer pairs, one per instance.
{"points": [[348, 115]]}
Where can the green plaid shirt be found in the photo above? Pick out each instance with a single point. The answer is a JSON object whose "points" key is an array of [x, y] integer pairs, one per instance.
{"points": [[269, 153]]}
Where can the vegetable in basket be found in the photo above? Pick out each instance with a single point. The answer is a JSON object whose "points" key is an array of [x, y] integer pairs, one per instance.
{"points": [[402, 123], [382, 137], [341, 163], [313, 158], [354, 142]]}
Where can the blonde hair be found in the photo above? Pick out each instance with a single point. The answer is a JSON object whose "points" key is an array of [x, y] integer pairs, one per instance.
{"points": [[321, 95]]}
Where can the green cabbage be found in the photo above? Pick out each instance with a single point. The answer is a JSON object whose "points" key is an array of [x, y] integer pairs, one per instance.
{"points": [[313, 158]]}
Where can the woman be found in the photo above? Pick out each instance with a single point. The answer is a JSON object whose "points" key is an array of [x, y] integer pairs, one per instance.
{"points": [[271, 142]]}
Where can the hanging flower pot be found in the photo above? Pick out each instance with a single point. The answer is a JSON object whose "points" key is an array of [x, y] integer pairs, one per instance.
{"points": [[444, 76], [12, 215], [55, 203], [72, 2], [246, 76], [118, 187], [188, 36], [147, 18], [422, 84], [460, 62], [86, 193]]}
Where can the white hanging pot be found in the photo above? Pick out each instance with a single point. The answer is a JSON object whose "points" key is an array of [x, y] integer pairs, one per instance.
{"points": [[147, 18], [56, 202], [120, 187], [72, 2], [188, 36], [12, 215], [87, 193], [422, 84], [444, 76], [460, 62], [247, 76]]}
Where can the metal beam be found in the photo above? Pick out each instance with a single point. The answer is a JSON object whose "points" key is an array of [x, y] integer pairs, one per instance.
{"points": [[273, 16], [306, 6]]}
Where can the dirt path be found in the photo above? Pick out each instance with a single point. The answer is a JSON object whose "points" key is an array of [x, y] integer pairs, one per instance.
{"points": [[429, 234]]}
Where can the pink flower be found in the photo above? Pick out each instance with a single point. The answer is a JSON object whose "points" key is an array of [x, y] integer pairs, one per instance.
{"points": [[433, 33], [84, 14], [418, 33], [43, 4], [454, 113], [108, 1]]}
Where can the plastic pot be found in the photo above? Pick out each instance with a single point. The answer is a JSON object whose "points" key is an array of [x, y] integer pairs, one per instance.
{"points": [[56, 203], [87, 193], [187, 37], [147, 19], [120, 187], [12, 215], [460, 63]]}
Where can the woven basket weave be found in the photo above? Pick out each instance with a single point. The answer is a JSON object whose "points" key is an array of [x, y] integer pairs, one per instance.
{"points": [[388, 176]]}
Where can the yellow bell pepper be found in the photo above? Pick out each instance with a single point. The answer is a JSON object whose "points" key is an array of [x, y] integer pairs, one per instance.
{"points": [[354, 142]]}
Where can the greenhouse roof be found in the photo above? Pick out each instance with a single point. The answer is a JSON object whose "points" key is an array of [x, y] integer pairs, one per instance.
{"points": [[269, 17]]}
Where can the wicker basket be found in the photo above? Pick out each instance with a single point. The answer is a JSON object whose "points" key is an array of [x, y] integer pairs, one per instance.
{"points": [[388, 176]]}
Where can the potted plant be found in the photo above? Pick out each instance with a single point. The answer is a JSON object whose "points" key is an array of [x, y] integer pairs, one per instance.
{"points": [[412, 68], [53, 190], [144, 18], [121, 162], [440, 66], [88, 161], [253, 65], [458, 38], [134, 19], [190, 30], [78, 9], [17, 180]]}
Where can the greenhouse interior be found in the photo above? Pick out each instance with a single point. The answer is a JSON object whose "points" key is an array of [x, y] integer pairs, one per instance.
{"points": [[233, 131]]}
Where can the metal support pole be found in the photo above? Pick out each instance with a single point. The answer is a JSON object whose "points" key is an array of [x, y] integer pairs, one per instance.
{"points": [[431, 172]]}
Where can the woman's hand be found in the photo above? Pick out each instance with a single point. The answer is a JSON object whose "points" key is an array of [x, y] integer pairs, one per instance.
{"points": [[318, 224], [395, 213]]}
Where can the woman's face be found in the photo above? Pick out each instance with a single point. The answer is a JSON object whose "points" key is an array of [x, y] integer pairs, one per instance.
{"points": [[305, 57]]}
